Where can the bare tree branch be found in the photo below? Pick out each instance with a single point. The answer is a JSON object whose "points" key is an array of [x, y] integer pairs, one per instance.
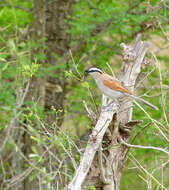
{"points": [[100, 163], [92, 146], [16, 115], [149, 174], [145, 147]]}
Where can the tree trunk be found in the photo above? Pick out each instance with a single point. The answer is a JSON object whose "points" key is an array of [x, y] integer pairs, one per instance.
{"points": [[58, 41], [51, 38]]}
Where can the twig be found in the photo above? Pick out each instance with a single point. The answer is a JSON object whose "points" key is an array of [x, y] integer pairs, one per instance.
{"points": [[69, 140], [74, 63], [145, 77], [161, 88], [16, 7], [91, 96], [91, 114], [13, 120], [140, 132], [19, 178], [165, 35], [100, 164], [144, 147], [3, 169], [19, 104], [90, 4], [150, 175], [153, 121], [52, 154], [70, 156], [43, 126]]}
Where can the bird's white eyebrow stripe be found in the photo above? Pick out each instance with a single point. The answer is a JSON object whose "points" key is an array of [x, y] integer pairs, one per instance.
{"points": [[95, 69]]}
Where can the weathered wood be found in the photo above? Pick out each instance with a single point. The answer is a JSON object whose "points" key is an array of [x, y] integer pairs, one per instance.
{"points": [[94, 141]]}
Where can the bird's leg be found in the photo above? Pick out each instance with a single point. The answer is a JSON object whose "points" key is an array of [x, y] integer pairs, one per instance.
{"points": [[111, 106]]}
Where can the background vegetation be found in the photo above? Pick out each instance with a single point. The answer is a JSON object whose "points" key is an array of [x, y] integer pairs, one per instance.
{"points": [[99, 26]]}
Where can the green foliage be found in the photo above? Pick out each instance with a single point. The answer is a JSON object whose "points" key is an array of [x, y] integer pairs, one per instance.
{"points": [[91, 188], [18, 66], [11, 18], [30, 69]]}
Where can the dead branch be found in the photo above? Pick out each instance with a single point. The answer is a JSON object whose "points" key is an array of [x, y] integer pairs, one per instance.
{"points": [[92, 146], [12, 122], [148, 173], [144, 147]]}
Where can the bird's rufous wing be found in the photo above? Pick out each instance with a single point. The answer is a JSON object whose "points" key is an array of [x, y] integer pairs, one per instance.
{"points": [[115, 85]]}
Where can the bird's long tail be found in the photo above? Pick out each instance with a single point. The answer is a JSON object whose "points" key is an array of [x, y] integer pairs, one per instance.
{"points": [[143, 101]]}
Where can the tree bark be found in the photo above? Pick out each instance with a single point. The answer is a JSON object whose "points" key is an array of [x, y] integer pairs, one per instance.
{"points": [[106, 169], [58, 41], [51, 40]]}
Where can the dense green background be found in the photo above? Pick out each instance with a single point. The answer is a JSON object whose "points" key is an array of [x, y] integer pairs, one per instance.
{"points": [[102, 50]]}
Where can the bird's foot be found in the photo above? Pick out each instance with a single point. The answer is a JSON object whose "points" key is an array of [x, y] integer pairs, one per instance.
{"points": [[112, 106]]}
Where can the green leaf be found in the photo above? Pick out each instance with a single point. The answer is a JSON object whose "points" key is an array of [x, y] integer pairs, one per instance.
{"points": [[85, 84]]}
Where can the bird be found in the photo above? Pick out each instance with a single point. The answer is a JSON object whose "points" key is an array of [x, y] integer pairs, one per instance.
{"points": [[112, 87]]}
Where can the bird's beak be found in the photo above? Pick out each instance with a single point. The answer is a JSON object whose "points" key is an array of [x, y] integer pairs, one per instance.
{"points": [[86, 72]]}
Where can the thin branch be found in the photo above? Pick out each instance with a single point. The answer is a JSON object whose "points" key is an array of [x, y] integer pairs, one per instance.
{"points": [[52, 154], [144, 147], [14, 118], [5, 4], [91, 114], [20, 102], [162, 30], [100, 164], [18, 178], [43, 126], [140, 132], [149, 174], [93, 100], [75, 65], [90, 4], [153, 121], [161, 88], [3, 169], [69, 140], [70, 156]]}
